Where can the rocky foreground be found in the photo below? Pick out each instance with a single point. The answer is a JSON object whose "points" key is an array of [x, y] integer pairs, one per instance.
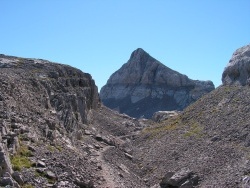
{"points": [[143, 86], [56, 133]]}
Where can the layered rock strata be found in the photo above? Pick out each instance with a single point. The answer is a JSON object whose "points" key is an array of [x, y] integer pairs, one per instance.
{"points": [[143, 86]]}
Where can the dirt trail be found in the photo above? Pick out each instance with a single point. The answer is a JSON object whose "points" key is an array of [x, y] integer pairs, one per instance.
{"points": [[107, 171]]}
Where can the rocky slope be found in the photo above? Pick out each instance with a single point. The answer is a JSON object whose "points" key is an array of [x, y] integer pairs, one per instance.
{"points": [[207, 145], [143, 86], [54, 131]]}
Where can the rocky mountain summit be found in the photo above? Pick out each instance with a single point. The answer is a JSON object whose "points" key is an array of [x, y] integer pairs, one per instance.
{"points": [[143, 86], [238, 68]]}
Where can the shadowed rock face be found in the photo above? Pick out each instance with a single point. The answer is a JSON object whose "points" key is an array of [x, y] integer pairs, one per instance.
{"points": [[66, 91], [238, 69], [143, 86]]}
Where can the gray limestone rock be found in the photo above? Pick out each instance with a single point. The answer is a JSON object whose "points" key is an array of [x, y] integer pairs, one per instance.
{"points": [[5, 165], [7, 180], [163, 115], [183, 179], [18, 177], [238, 69], [143, 86]]}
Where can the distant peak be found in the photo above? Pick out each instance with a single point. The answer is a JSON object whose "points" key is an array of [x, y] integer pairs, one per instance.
{"points": [[140, 50], [139, 53]]}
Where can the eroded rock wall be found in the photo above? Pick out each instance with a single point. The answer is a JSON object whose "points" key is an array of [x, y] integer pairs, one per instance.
{"points": [[143, 86]]}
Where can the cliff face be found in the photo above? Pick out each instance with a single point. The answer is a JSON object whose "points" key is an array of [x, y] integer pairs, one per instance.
{"points": [[61, 89], [143, 86], [237, 71]]}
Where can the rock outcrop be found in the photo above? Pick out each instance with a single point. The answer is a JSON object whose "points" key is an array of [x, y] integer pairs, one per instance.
{"points": [[143, 86], [39, 100], [164, 115], [181, 179], [238, 69]]}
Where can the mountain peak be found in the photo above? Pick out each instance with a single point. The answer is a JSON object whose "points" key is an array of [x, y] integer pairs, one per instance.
{"points": [[139, 54], [144, 85]]}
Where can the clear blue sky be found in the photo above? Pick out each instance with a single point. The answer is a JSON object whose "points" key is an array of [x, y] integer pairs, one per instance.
{"points": [[194, 37]]}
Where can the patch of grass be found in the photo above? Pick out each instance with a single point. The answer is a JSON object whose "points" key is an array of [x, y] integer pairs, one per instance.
{"points": [[44, 175], [24, 151], [51, 181], [19, 162], [27, 186], [20, 159], [40, 174], [59, 148], [51, 148], [54, 148], [169, 125], [195, 130]]}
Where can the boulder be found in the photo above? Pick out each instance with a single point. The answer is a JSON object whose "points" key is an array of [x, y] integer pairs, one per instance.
{"points": [[7, 180], [51, 175], [238, 69], [163, 115], [184, 178], [18, 177]]}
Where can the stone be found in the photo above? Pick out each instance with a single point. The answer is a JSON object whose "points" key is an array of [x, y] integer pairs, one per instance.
{"points": [[41, 164], [87, 132], [144, 86], [4, 160], [108, 141], [40, 170], [18, 177], [163, 115], [215, 138], [246, 182], [98, 137], [183, 179], [187, 184], [237, 70], [123, 168], [129, 156], [179, 177], [84, 184], [51, 175], [164, 182], [7, 180]]}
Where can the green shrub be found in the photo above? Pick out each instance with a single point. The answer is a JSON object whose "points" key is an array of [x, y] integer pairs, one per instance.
{"points": [[20, 159], [18, 162]]}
